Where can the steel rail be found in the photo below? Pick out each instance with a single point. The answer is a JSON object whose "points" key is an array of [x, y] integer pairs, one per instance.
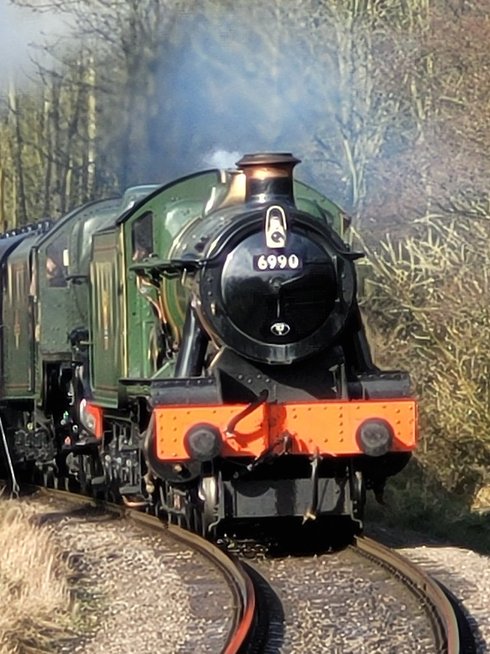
{"points": [[441, 612], [239, 582]]}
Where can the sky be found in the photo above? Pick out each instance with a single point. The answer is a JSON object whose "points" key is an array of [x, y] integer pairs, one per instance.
{"points": [[19, 28]]}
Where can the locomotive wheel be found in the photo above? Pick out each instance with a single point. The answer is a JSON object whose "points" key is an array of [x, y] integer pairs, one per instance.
{"points": [[209, 495], [194, 517], [175, 506], [358, 494], [54, 479], [48, 478]]}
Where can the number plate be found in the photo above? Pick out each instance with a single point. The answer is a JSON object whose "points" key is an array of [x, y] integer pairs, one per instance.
{"points": [[268, 262]]}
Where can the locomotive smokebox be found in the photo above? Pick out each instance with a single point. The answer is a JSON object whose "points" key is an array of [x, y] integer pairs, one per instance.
{"points": [[269, 176]]}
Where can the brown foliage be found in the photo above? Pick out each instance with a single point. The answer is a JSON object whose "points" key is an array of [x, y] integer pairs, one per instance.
{"points": [[427, 301], [435, 155], [35, 603]]}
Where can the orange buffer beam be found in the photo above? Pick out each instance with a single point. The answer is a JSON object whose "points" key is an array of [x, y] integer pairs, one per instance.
{"points": [[328, 427]]}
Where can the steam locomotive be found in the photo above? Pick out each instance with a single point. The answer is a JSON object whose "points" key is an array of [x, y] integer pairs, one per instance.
{"points": [[198, 348]]}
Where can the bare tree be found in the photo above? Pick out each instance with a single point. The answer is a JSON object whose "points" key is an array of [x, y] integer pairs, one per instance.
{"points": [[17, 147]]}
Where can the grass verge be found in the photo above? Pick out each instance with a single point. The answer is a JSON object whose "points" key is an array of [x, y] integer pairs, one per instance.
{"points": [[415, 500], [36, 608]]}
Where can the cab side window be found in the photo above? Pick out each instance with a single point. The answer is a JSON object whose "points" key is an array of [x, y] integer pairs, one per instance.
{"points": [[56, 264], [142, 236]]}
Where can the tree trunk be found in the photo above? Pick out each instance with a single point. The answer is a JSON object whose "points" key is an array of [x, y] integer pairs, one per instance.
{"points": [[21, 208], [3, 217], [91, 127]]}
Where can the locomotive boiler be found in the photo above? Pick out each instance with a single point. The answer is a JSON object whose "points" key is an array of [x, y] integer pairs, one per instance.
{"points": [[198, 348]]}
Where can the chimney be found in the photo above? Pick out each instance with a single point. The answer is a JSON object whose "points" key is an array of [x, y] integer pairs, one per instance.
{"points": [[269, 176]]}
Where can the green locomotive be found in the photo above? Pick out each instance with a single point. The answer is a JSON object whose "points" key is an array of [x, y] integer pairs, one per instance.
{"points": [[198, 347]]}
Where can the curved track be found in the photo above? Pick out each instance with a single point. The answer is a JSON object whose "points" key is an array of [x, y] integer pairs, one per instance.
{"points": [[260, 604], [449, 625], [364, 597], [244, 622]]}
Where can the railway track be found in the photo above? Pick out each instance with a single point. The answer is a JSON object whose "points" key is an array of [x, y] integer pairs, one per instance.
{"points": [[243, 622], [268, 593], [363, 598], [452, 634], [241, 632]]}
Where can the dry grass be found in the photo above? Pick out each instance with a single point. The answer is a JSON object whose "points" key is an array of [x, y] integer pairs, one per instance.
{"points": [[427, 301], [35, 603]]}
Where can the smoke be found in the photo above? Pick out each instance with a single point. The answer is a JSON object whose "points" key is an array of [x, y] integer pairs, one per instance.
{"points": [[24, 34], [221, 159], [246, 82]]}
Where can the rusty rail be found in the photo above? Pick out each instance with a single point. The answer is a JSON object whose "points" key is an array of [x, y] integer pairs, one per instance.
{"points": [[441, 612], [239, 582]]}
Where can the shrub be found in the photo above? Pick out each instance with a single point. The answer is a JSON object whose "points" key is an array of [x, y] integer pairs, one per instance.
{"points": [[426, 300]]}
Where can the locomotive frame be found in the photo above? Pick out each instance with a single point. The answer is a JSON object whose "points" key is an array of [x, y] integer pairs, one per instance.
{"points": [[198, 349]]}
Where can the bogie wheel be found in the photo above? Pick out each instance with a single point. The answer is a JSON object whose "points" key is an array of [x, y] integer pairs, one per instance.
{"points": [[358, 494], [49, 478], [209, 496], [193, 511]]}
